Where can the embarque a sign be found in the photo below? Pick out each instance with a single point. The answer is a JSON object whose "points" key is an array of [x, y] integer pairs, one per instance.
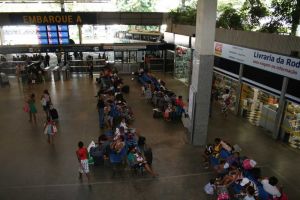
{"points": [[52, 19]]}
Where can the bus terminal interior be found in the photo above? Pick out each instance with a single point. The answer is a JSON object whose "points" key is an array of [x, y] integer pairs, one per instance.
{"points": [[263, 116]]}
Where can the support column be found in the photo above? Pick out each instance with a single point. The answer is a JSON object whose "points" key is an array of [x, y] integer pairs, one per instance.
{"points": [[239, 91], [1, 35], [203, 61], [280, 110], [165, 60], [80, 33], [62, 5]]}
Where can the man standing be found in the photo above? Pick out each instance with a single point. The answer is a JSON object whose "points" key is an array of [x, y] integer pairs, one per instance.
{"points": [[47, 60], [100, 106]]}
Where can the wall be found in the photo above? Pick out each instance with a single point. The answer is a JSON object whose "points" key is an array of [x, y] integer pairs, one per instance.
{"points": [[274, 43], [280, 44], [180, 28]]}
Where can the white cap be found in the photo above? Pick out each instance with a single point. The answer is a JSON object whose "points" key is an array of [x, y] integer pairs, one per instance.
{"points": [[253, 163], [244, 182], [226, 166]]}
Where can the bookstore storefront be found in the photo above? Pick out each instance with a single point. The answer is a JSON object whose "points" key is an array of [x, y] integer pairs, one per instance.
{"points": [[257, 83], [222, 83]]}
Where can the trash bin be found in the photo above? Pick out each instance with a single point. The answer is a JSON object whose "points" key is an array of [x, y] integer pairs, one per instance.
{"points": [[66, 73], [56, 73], [47, 74]]}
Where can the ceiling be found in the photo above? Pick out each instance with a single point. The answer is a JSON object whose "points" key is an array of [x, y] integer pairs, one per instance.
{"points": [[54, 1]]}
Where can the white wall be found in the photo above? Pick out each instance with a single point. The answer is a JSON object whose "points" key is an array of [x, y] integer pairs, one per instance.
{"points": [[281, 44]]}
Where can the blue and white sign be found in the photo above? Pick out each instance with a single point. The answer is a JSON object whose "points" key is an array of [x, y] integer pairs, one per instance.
{"points": [[275, 63]]}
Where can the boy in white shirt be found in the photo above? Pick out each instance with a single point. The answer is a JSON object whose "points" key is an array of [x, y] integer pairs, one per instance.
{"points": [[210, 187], [269, 186]]}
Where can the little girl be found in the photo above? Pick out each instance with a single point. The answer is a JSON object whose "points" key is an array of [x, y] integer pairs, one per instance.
{"points": [[167, 113], [50, 130]]}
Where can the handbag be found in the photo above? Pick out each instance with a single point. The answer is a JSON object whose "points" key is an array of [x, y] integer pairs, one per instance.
{"points": [[54, 129], [43, 102], [26, 107]]}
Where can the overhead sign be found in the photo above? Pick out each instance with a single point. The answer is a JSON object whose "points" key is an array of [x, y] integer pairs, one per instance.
{"points": [[53, 18], [67, 18], [275, 63]]}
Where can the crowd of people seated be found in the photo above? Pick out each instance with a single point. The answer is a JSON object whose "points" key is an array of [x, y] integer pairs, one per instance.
{"points": [[120, 145], [238, 177], [166, 103]]}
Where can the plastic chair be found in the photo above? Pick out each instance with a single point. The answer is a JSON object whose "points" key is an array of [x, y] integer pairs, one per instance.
{"points": [[116, 160]]}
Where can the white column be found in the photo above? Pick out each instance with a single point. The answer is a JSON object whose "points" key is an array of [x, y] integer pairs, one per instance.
{"points": [[203, 60], [1, 35], [280, 110]]}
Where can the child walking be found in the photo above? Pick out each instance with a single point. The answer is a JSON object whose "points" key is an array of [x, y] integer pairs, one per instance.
{"points": [[82, 156], [32, 108], [50, 130]]}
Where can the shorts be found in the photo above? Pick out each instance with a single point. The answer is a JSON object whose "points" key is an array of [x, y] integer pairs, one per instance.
{"points": [[84, 166]]}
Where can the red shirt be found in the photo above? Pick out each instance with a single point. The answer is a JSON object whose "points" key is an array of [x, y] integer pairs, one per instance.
{"points": [[179, 102], [82, 153]]}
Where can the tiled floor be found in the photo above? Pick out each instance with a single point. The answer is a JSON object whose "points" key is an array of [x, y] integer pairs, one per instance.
{"points": [[32, 169]]}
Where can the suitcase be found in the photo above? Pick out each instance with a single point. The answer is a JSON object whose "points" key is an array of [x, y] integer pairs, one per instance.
{"points": [[157, 113], [119, 97], [53, 114], [125, 89], [4, 79]]}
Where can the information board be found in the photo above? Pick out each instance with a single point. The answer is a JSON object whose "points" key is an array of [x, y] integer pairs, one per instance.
{"points": [[53, 34]]}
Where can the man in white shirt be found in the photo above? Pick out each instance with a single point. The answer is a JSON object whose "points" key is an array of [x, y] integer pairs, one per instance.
{"points": [[269, 186], [210, 187]]}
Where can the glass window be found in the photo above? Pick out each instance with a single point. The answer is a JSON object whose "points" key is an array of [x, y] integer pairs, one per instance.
{"points": [[101, 33], [100, 6], [111, 56], [222, 83], [15, 35], [133, 56], [291, 125], [258, 107], [118, 56], [39, 6], [74, 33], [183, 59]]}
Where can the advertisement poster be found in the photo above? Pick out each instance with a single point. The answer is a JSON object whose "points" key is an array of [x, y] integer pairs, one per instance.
{"points": [[275, 63]]}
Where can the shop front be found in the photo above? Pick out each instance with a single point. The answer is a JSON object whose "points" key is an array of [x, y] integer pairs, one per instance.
{"points": [[258, 107], [290, 127], [221, 83], [183, 64], [267, 90]]}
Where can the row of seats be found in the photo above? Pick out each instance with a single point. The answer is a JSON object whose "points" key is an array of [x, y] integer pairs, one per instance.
{"points": [[120, 146], [238, 177], [165, 102]]}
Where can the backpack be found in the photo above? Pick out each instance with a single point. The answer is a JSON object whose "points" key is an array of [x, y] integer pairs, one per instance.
{"points": [[249, 164], [54, 114]]}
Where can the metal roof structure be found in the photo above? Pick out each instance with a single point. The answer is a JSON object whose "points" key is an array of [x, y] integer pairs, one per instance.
{"points": [[54, 1]]}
